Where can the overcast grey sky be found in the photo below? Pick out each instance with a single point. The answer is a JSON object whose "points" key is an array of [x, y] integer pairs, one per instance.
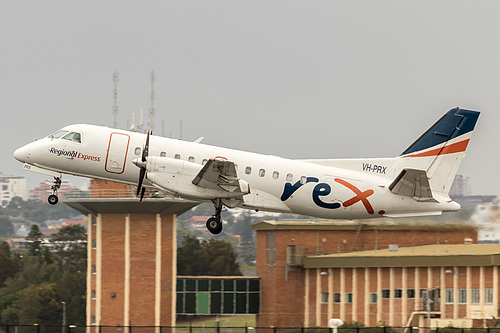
{"points": [[300, 79]]}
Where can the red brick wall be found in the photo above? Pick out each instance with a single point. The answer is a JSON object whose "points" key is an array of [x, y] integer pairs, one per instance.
{"points": [[143, 263]]}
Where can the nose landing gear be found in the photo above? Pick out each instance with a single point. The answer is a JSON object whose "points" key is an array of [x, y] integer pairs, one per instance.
{"points": [[53, 198]]}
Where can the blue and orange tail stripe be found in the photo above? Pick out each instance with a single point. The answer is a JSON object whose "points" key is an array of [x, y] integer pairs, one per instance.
{"points": [[453, 125]]}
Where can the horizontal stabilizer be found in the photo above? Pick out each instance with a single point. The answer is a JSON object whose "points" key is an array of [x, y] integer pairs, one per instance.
{"points": [[412, 183]]}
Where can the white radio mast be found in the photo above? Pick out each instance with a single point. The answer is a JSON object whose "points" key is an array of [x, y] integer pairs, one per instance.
{"points": [[115, 97], [152, 109]]}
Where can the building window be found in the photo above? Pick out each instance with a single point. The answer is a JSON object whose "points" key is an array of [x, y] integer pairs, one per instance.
{"points": [[271, 248], [93, 294], [449, 296], [474, 295], [248, 170], [92, 319], [94, 219], [462, 296], [488, 296], [373, 298], [386, 293], [324, 297], [398, 293], [336, 297], [262, 172], [410, 293], [423, 292], [276, 175], [94, 244], [94, 269], [348, 297]]}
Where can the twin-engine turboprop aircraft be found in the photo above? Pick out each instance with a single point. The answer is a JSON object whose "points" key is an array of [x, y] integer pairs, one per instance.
{"points": [[415, 183]]}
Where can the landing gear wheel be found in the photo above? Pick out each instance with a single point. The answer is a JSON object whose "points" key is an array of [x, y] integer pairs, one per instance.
{"points": [[53, 199], [214, 225]]}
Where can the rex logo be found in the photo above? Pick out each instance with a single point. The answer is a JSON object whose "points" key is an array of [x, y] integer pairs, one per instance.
{"points": [[324, 189]]}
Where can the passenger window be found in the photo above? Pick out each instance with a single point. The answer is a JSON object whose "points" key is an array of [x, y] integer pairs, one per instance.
{"points": [[163, 154], [262, 172], [276, 174], [248, 170], [191, 159], [303, 179], [289, 177], [204, 161], [137, 151], [177, 156]]}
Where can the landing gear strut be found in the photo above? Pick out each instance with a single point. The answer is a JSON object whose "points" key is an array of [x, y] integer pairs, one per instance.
{"points": [[53, 198], [214, 224]]}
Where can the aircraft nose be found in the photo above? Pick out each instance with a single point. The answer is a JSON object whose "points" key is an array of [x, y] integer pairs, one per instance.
{"points": [[21, 154]]}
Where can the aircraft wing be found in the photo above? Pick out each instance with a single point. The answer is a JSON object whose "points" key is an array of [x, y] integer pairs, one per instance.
{"points": [[221, 174]]}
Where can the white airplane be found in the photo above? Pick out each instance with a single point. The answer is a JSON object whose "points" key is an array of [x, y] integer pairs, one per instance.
{"points": [[416, 183]]}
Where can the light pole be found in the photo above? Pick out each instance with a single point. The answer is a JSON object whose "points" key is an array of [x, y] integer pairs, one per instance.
{"points": [[64, 317]]}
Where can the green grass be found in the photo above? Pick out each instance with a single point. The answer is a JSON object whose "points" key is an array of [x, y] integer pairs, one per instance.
{"points": [[224, 321]]}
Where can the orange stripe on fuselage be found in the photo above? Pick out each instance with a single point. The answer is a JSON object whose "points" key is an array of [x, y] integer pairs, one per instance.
{"points": [[457, 147]]}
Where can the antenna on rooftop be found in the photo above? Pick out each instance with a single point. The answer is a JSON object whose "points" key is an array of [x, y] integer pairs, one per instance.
{"points": [[152, 109], [115, 97]]}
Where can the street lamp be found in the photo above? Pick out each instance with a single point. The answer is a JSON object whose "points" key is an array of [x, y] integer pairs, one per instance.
{"points": [[64, 317]]}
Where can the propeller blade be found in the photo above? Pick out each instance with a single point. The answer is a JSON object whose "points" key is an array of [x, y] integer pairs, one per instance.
{"points": [[142, 173], [146, 149], [142, 194]]}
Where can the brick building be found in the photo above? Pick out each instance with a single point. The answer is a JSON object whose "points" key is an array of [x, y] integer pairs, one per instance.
{"points": [[313, 271], [131, 260]]}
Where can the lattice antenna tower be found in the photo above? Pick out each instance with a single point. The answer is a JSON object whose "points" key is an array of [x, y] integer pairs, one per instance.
{"points": [[152, 109], [115, 98]]}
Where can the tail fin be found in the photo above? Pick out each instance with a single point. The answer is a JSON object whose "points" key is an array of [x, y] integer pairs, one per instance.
{"points": [[440, 150]]}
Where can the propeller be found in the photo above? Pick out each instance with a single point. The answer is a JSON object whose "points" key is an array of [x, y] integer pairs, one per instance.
{"points": [[142, 166]]}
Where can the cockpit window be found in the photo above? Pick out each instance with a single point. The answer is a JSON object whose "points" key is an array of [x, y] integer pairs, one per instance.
{"points": [[58, 134], [73, 136]]}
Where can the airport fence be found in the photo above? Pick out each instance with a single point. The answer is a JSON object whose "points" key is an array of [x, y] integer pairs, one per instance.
{"points": [[192, 329]]}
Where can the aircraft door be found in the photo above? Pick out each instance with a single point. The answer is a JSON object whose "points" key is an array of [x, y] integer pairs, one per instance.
{"points": [[117, 153]]}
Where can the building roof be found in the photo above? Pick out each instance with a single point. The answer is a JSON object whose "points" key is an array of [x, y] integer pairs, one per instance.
{"points": [[379, 224], [412, 256]]}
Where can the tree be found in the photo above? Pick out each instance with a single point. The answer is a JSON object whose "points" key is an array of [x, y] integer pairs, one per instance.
{"points": [[214, 257], [6, 227], [9, 266], [70, 246], [34, 241]]}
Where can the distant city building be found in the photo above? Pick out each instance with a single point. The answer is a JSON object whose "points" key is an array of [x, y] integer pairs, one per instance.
{"points": [[10, 187], [43, 190], [461, 185]]}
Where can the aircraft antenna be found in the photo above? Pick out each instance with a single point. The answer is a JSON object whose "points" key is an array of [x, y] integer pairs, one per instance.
{"points": [[115, 98], [152, 109]]}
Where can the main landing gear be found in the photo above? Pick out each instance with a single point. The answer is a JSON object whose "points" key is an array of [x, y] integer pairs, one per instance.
{"points": [[214, 224], [53, 198]]}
